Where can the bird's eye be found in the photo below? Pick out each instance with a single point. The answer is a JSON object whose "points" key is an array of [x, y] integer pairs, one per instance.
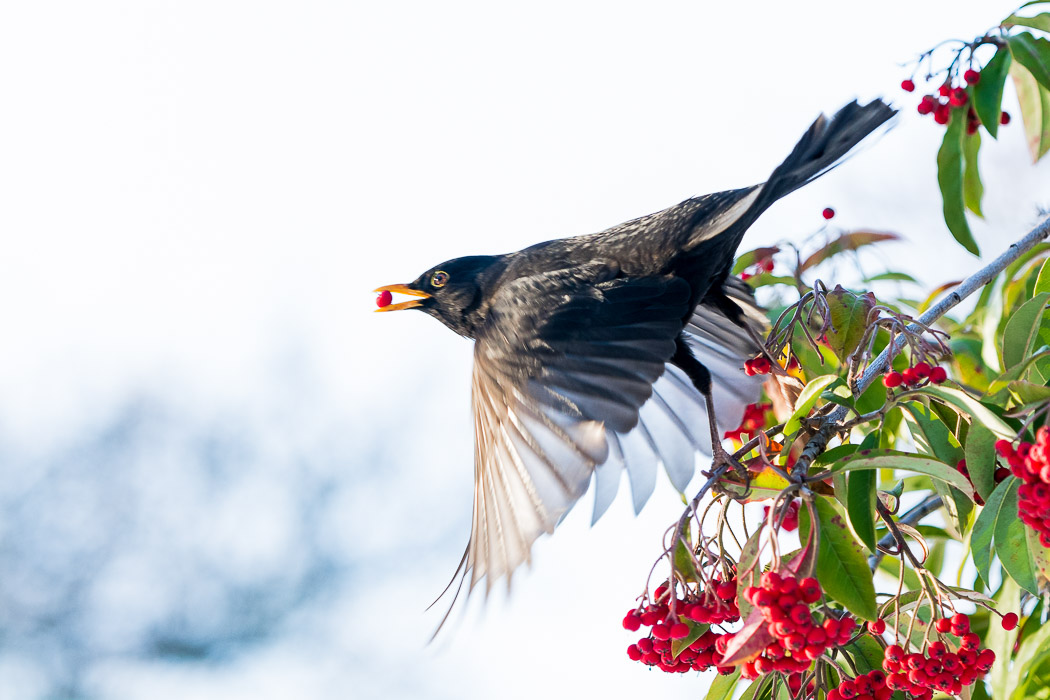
{"points": [[439, 279]]}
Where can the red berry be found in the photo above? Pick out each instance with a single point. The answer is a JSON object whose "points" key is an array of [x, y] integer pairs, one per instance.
{"points": [[384, 298], [908, 85], [1009, 621], [922, 369], [958, 97], [632, 621], [971, 76], [938, 375], [926, 105], [679, 631], [661, 632], [828, 213], [1004, 118], [944, 90], [1001, 473], [1004, 448], [961, 621], [877, 627], [943, 625], [892, 380], [909, 376], [941, 114], [634, 652]]}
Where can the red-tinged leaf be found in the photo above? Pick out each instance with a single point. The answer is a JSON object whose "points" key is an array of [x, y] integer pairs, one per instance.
{"points": [[847, 241], [749, 642], [1032, 53], [848, 313], [1035, 110], [749, 258], [988, 93], [950, 180]]}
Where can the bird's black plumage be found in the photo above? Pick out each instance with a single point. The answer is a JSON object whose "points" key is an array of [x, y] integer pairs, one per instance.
{"points": [[609, 351]]}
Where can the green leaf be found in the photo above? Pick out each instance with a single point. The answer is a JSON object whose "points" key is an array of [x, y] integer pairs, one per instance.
{"points": [[950, 180], [1035, 110], [983, 533], [1032, 53], [891, 277], [867, 654], [1040, 22], [848, 313], [931, 434], [847, 241], [971, 407], [758, 689], [988, 93], [872, 459], [807, 399], [1016, 372], [1022, 329], [842, 568], [1002, 641], [1035, 678], [957, 505], [683, 562], [1042, 281], [696, 630], [860, 506], [1040, 559], [1011, 544], [980, 459], [722, 687], [1031, 648], [973, 190], [750, 571]]}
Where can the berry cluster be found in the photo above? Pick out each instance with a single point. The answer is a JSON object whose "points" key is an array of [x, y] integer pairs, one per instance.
{"points": [[798, 638], [790, 522], [1000, 474], [715, 605], [754, 420], [914, 375], [939, 668], [871, 686], [951, 97], [1031, 464]]}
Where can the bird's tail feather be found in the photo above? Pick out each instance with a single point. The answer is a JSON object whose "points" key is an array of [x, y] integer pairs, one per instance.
{"points": [[824, 145]]}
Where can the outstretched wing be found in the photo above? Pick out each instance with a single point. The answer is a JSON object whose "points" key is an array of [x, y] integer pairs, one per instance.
{"points": [[576, 379]]}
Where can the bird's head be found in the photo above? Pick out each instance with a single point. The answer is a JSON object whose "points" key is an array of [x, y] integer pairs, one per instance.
{"points": [[451, 292]]}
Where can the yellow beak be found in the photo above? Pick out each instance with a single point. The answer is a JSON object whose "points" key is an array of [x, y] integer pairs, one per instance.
{"points": [[402, 289]]}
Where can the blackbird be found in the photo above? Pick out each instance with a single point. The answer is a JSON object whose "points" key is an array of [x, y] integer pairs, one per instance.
{"points": [[612, 351]]}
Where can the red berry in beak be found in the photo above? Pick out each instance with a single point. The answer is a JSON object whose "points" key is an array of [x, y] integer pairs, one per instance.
{"points": [[384, 298]]}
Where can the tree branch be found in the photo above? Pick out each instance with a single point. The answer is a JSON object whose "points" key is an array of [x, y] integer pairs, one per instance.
{"points": [[819, 442]]}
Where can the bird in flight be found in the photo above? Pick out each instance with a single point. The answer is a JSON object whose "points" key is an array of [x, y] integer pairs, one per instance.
{"points": [[610, 352]]}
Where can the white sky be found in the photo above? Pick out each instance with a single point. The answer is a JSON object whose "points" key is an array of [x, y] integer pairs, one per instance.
{"points": [[197, 198]]}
